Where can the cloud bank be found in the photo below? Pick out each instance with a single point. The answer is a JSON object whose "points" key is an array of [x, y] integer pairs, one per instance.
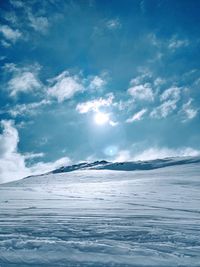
{"points": [[13, 163]]}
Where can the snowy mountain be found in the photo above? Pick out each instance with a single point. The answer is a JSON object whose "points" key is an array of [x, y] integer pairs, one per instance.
{"points": [[80, 166], [103, 218], [128, 166], [148, 165]]}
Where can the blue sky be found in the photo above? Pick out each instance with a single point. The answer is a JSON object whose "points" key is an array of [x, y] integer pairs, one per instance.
{"points": [[86, 80]]}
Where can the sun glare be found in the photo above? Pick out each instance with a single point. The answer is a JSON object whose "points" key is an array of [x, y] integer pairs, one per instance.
{"points": [[101, 118]]}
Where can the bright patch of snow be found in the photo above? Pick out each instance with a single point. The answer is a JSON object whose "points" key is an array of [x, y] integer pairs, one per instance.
{"points": [[102, 218]]}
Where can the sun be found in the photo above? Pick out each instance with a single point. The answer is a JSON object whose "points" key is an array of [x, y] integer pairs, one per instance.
{"points": [[101, 118]]}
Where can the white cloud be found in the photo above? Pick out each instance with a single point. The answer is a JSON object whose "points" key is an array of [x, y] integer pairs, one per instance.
{"points": [[113, 123], [29, 156], [164, 109], [113, 24], [142, 92], [44, 167], [170, 97], [172, 93], [94, 105], [124, 104], [144, 77], [65, 86], [159, 81], [188, 111], [176, 43], [23, 82], [97, 83], [170, 44], [137, 116], [13, 163], [156, 153], [34, 18], [10, 34], [5, 43], [27, 109], [39, 24], [159, 153], [123, 155], [23, 79]]}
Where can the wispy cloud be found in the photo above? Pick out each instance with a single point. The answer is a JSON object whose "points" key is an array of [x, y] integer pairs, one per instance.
{"points": [[141, 92], [27, 109], [141, 87], [159, 81], [65, 86], [172, 93], [31, 18], [188, 111], [23, 80], [153, 39], [164, 152], [169, 99], [5, 43], [30, 156], [38, 23], [137, 116], [11, 35], [172, 43], [95, 105], [164, 109], [176, 43], [153, 153], [44, 167], [144, 77], [16, 3], [123, 155], [97, 82], [113, 24], [124, 105]]}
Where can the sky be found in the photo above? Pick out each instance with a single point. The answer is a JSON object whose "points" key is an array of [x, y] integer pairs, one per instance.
{"points": [[84, 80]]}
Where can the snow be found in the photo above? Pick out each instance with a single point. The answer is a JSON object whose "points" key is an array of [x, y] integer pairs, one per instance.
{"points": [[102, 218], [128, 166]]}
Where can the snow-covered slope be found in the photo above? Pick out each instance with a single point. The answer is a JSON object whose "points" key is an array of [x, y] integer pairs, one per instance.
{"points": [[102, 218], [147, 165], [126, 166], [129, 166]]}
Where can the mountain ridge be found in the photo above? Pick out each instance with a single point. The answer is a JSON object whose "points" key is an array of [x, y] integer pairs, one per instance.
{"points": [[124, 166]]}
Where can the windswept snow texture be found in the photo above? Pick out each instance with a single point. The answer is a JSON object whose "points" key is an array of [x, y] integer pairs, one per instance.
{"points": [[102, 218]]}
